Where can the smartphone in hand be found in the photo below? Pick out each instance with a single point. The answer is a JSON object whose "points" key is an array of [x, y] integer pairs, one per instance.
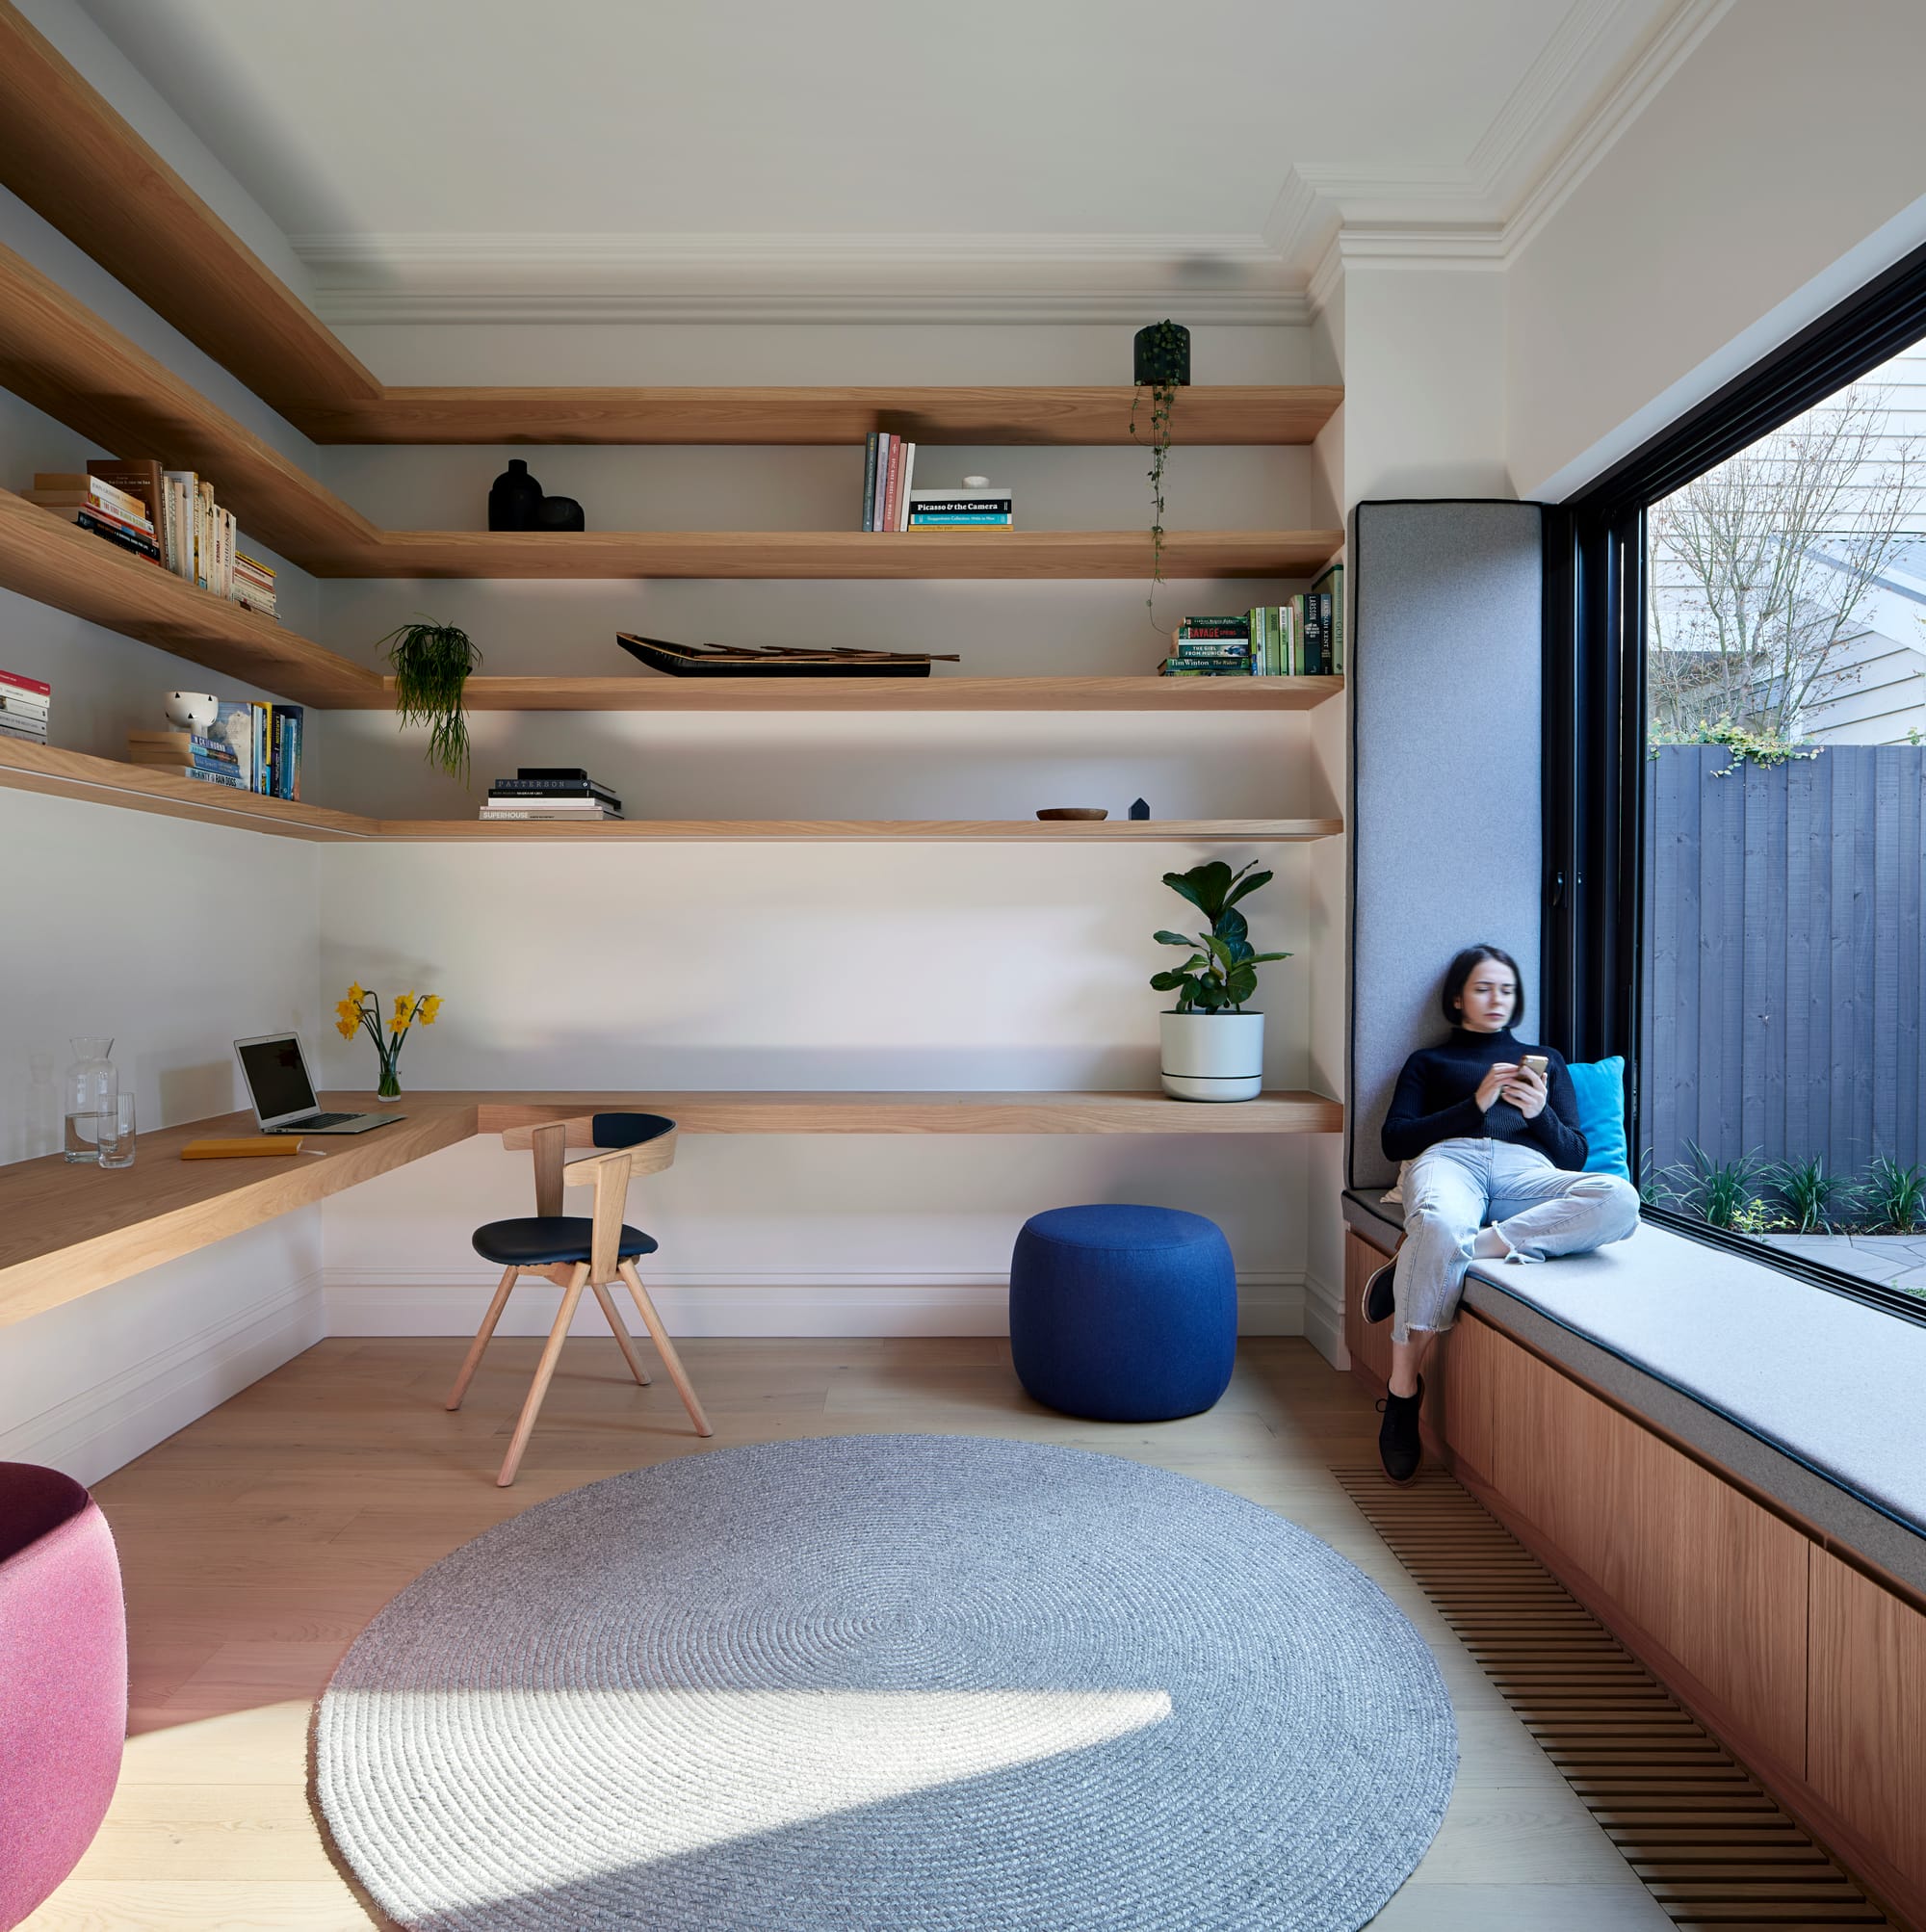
{"points": [[1539, 1063]]}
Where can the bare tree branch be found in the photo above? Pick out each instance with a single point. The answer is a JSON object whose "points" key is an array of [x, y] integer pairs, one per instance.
{"points": [[1762, 569]]}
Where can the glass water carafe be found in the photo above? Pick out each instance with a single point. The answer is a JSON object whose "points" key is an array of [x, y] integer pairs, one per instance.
{"points": [[92, 1089]]}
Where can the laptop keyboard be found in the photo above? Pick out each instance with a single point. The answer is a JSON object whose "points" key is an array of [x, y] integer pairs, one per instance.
{"points": [[318, 1120]]}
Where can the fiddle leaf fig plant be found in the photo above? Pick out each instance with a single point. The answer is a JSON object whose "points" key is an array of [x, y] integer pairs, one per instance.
{"points": [[1222, 970]]}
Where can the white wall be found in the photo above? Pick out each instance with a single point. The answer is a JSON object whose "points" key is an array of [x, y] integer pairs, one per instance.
{"points": [[806, 966], [817, 966], [1778, 169], [173, 937]]}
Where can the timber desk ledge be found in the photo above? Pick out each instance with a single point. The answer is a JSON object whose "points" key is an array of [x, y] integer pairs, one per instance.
{"points": [[65, 1231]]}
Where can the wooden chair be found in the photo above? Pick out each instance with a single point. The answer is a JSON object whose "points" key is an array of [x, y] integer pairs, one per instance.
{"points": [[578, 1251]]}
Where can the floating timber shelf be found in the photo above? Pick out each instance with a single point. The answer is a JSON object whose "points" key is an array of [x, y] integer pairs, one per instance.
{"points": [[62, 357], [1273, 1112], [846, 831], [39, 768], [65, 1231], [56, 563], [654, 692], [834, 554], [139, 788], [1086, 417]]}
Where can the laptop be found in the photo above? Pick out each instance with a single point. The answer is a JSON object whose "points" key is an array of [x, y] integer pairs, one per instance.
{"points": [[275, 1070]]}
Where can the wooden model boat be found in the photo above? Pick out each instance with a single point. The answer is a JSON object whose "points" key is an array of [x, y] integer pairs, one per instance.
{"points": [[774, 659]]}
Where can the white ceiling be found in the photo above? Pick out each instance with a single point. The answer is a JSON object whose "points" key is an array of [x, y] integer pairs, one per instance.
{"points": [[461, 142]]}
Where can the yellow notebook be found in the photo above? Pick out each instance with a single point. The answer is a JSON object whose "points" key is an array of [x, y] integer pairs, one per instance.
{"points": [[268, 1144]]}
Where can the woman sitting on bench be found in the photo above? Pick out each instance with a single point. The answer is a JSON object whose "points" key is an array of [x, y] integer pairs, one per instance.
{"points": [[1486, 1130]]}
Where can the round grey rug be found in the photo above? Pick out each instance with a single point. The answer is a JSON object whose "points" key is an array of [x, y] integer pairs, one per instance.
{"points": [[888, 1683]]}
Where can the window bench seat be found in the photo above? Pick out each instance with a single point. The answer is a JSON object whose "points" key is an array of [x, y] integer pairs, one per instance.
{"points": [[1816, 1400], [1727, 1465]]}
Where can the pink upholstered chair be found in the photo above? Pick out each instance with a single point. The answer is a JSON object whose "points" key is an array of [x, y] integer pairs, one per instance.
{"points": [[63, 1680]]}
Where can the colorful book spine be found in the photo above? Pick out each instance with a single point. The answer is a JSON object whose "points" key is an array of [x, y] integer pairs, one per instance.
{"points": [[202, 774], [893, 496], [903, 492], [101, 524], [31, 686], [869, 443], [1332, 586]]}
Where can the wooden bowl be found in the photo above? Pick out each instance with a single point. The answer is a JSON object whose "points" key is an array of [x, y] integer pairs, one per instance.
{"points": [[1073, 812]]}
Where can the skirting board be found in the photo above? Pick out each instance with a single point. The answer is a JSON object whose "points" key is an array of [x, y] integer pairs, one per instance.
{"points": [[1325, 1321], [93, 1433], [1268, 1304]]}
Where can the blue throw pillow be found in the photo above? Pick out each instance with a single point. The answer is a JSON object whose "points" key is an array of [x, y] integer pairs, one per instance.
{"points": [[1600, 1085]]}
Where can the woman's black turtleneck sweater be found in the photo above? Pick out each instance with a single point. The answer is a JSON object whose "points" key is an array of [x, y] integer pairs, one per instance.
{"points": [[1436, 1100]]}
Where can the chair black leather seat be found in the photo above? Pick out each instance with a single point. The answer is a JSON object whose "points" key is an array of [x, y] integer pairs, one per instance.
{"points": [[539, 1241]]}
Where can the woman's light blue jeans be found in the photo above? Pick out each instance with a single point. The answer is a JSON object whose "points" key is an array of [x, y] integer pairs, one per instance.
{"points": [[1454, 1189]]}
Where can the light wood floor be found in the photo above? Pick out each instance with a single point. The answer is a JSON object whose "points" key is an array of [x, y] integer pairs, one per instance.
{"points": [[256, 1543]]}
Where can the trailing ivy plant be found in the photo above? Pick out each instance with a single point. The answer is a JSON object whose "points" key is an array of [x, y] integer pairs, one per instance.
{"points": [[433, 663], [1166, 349], [1761, 747], [1222, 970]]}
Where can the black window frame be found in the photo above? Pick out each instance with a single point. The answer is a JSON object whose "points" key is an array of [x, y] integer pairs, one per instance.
{"points": [[1595, 704]]}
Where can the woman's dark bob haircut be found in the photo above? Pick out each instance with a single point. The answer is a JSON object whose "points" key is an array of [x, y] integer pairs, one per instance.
{"points": [[1460, 969]]}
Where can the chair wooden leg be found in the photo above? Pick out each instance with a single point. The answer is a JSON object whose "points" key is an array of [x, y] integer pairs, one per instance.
{"points": [[620, 1328], [671, 1361], [544, 1370], [483, 1336]]}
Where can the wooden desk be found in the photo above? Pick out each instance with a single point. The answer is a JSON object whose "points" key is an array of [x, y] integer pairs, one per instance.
{"points": [[69, 1229]]}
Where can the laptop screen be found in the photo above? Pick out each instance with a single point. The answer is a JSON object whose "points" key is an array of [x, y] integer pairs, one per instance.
{"points": [[277, 1077]]}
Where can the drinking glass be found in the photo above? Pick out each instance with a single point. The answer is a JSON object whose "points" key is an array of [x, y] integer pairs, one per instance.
{"points": [[116, 1132]]}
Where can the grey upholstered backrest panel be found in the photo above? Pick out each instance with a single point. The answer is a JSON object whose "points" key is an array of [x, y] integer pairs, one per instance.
{"points": [[1445, 679]]}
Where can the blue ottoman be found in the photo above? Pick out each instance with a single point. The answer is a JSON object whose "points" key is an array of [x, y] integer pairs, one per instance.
{"points": [[1124, 1314]]}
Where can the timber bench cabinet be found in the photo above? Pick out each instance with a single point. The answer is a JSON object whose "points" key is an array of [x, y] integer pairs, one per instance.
{"points": [[1752, 1529]]}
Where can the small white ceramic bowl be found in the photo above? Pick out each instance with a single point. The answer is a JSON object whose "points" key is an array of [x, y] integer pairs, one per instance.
{"points": [[192, 710]]}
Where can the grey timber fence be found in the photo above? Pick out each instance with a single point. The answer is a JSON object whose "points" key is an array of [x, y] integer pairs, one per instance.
{"points": [[1784, 978]]}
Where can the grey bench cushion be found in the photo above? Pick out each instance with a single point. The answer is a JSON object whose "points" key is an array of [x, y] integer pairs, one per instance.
{"points": [[1813, 1397]]}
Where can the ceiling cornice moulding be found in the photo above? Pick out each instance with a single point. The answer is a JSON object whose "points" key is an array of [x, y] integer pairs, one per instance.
{"points": [[905, 278], [1475, 214]]}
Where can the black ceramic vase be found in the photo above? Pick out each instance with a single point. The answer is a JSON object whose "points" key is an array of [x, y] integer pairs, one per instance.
{"points": [[559, 513], [514, 498], [1161, 356]]}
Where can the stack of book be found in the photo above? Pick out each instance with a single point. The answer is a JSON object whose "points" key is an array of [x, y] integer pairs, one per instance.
{"points": [[970, 507], [210, 758], [24, 703], [251, 747], [1210, 648], [1303, 637], [101, 507], [551, 793]]}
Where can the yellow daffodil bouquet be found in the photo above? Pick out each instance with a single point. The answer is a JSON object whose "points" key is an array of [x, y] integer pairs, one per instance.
{"points": [[363, 1009]]}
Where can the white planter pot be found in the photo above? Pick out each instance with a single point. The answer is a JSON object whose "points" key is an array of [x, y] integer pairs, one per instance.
{"points": [[1212, 1055]]}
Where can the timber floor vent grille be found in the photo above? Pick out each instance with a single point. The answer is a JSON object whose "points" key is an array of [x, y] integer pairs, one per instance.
{"points": [[1710, 1844]]}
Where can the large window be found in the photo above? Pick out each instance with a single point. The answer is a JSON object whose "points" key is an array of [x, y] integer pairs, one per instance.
{"points": [[1737, 840]]}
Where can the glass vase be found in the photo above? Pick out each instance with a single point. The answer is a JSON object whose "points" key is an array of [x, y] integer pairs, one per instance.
{"points": [[390, 1088], [91, 1091]]}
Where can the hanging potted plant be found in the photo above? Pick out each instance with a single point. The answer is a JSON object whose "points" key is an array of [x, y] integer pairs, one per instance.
{"points": [[1213, 1049], [1160, 362], [432, 665]]}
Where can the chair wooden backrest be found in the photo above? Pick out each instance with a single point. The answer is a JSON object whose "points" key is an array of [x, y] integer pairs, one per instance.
{"points": [[609, 1172]]}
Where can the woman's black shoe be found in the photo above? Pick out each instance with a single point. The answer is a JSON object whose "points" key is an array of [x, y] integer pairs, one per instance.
{"points": [[1379, 1296], [1398, 1447]]}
